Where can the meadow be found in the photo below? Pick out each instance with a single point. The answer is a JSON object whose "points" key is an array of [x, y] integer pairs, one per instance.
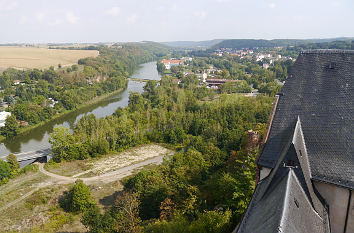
{"points": [[41, 58]]}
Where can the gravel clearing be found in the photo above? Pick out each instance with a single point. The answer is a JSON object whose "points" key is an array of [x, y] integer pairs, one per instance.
{"points": [[125, 158]]}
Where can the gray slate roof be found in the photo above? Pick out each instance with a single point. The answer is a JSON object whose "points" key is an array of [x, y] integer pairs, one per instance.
{"points": [[320, 90], [285, 201]]}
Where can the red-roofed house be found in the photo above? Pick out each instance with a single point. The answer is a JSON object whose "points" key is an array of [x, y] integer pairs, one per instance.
{"points": [[169, 63]]}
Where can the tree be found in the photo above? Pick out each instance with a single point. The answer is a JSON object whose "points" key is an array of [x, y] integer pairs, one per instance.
{"points": [[61, 140], [50, 75], [240, 86], [5, 171], [11, 127], [96, 222], [78, 199], [212, 222], [270, 88], [74, 67], [136, 102], [125, 213], [13, 163]]}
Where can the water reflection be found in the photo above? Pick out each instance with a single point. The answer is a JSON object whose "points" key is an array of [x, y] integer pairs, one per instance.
{"points": [[37, 139]]}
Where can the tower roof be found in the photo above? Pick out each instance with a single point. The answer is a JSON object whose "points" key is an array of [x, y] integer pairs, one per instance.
{"points": [[319, 89]]}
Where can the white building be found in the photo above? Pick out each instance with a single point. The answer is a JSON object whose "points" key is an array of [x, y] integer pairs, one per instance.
{"points": [[3, 116]]}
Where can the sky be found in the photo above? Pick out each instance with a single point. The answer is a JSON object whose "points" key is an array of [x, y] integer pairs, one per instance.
{"points": [[79, 21]]}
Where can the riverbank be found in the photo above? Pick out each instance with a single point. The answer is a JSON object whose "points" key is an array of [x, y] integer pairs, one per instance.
{"points": [[97, 99]]}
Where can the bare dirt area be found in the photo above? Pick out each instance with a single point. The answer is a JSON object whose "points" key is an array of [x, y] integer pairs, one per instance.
{"points": [[109, 163], [124, 159], [29, 203]]}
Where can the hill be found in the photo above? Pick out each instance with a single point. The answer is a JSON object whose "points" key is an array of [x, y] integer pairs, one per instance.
{"points": [[252, 43], [193, 44]]}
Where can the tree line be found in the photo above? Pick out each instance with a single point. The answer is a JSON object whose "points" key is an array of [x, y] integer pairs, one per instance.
{"points": [[204, 187], [41, 94]]}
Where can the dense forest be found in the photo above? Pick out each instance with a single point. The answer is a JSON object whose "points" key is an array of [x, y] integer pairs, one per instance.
{"points": [[35, 96], [204, 187]]}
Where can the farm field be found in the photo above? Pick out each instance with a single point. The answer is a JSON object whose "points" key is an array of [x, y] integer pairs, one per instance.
{"points": [[41, 58]]}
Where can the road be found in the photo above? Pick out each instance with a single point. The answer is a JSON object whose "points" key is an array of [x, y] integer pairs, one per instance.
{"points": [[105, 178]]}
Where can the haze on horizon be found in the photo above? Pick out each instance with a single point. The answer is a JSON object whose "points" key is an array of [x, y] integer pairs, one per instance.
{"points": [[45, 21]]}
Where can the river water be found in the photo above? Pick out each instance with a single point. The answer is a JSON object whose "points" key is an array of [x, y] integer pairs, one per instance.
{"points": [[37, 139]]}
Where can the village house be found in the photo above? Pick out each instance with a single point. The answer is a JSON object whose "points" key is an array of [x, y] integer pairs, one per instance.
{"points": [[169, 63], [3, 116], [214, 82]]}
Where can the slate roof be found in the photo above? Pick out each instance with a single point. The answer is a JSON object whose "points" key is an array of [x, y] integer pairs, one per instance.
{"points": [[320, 90], [285, 201]]}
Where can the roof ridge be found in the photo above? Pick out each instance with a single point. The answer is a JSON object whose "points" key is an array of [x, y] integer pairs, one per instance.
{"points": [[327, 51]]}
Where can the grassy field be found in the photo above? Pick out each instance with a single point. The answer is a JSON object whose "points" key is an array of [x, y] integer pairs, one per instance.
{"points": [[29, 57]]}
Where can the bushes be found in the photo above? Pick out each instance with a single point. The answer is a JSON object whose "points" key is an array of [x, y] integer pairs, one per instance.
{"points": [[13, 163], [207, 222], [78, 199], [123, 217], [5, 172]]}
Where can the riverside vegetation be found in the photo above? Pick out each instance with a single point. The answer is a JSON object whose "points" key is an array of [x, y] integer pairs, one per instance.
{"points": [[207, 184], [203, 188], [35, 96]]}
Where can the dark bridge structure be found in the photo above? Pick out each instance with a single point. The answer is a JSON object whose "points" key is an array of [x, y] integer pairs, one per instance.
{"points": [[26, 158]]}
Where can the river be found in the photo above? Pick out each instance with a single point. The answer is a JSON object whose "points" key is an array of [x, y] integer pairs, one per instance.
{"points": [[37, 139]]}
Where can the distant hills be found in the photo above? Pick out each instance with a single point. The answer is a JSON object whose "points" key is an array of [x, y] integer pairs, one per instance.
{"points": [[249, 43], [193, 44]]}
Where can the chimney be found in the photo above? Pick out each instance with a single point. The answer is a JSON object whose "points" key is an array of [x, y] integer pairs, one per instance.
{"points": [[253, 140]]}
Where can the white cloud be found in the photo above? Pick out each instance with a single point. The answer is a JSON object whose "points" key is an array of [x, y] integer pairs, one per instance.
{"points": [[23, 20], [298, 18], [132, 18], [336, 3], [271, 5], [160, 8], [55, 22], [174, 6], [201, 14], [40, 16], [6, 5], [71, 17], [114, 11]]}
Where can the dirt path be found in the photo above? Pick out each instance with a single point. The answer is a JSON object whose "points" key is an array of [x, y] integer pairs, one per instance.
{"points": [[105, 178]]}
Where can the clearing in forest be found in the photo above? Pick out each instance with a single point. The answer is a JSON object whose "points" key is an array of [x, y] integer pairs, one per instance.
{"points": [[108, 163]]}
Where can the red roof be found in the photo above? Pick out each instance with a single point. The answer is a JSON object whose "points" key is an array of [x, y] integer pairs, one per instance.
{"points": [[172, 61], [221, 80]]}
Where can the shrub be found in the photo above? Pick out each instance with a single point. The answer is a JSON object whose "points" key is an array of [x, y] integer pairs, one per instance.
{"points": [[5, 172], [78, 198]]}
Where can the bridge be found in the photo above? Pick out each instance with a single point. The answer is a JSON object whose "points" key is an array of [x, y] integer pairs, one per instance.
{"points": [[26, 158], [141, 79]]}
